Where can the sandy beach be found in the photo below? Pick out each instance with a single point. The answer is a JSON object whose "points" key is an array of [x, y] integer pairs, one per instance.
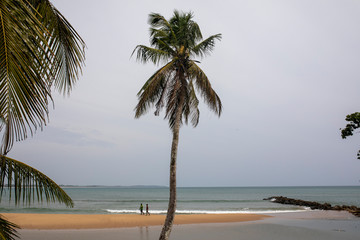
{"points": [[313, 225], [101, 221]]}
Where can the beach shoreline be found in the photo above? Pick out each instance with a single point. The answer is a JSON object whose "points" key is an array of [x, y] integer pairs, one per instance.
{"points": [[106, 221], [312, 225]]}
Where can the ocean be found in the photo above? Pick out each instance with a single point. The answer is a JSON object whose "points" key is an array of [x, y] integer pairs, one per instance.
{"points": [[191, 200]]}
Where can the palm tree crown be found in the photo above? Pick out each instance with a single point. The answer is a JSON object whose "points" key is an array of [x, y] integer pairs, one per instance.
{"points": [[176, 43]]}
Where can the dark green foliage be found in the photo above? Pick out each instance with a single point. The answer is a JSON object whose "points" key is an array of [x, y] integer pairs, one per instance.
{"points": [[26, 184], [176, 43], [39, 49], [7, 230], [354, 120]]}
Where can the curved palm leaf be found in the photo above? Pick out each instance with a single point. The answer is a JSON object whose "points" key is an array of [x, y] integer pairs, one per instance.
{"points": [[176, 99], [27, 184], [205, 47], [38, 48], [158, 21], [64, 42], [204, 86], [146, 54], [23, 98], [192, 109], [8, 230], [154, 90]]}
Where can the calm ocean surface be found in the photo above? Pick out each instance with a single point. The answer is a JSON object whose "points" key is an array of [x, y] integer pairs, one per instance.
{"points": [[119, 200]]}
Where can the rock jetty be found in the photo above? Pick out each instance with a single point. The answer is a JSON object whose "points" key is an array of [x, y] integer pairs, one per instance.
{"points": [[314, 205]]}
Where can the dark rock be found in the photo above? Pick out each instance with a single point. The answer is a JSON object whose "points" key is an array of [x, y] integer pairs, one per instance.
{"points": [[314, 205]]}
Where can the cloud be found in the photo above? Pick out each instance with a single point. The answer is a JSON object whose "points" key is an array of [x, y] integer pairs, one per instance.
{"points": [[287, 73], [91, 138]]}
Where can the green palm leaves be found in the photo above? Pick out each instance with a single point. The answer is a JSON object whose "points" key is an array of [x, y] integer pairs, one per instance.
{"points": [[38, 49], [8, 230], [27, 184], [176, 43]]}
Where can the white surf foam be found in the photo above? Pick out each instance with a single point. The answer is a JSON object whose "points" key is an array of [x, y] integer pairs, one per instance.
{"points": [[128, 211]]}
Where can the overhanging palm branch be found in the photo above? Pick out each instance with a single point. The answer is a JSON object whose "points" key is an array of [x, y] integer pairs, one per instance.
{"points": [[26, 184], [63, 42], [8, 230], [20, 55], [38, 49]]}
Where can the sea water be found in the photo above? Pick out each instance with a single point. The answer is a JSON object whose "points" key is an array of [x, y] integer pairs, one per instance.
{"points": [[192, 200]]}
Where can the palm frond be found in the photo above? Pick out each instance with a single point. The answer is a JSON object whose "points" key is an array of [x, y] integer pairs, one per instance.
{"points": [[164, 90], [23, 62], [145, 54], [205, 47], [193, 106], [175, 99], [152, 91], [204, 87], [156, 20], [65, 44], [187, 31], [160, 41], [8, 230], [38, 47], [26, 184]]}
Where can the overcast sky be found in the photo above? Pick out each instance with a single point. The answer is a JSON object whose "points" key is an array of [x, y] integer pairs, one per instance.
{"points": [[287, 72]]}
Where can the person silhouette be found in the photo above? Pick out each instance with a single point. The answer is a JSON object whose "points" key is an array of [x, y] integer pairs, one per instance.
{"points": [[147, 209], [141, 209]]}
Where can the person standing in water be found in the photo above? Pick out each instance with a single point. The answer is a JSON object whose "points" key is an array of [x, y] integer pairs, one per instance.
{"points": [[147, 210], [141, 209]]}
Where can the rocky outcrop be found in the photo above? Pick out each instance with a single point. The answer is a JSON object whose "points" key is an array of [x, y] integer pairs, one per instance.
{"points": [[314, 205]]}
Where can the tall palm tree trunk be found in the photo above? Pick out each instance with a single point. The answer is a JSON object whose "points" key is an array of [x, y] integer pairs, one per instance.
{"points": [[166, 230]]}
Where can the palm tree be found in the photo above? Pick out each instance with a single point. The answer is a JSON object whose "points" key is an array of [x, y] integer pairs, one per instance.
{"points": [[176, 43], [39, 49]]}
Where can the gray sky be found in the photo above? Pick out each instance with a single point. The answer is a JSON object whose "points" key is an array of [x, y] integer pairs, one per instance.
{"points": [[287, 72]]}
